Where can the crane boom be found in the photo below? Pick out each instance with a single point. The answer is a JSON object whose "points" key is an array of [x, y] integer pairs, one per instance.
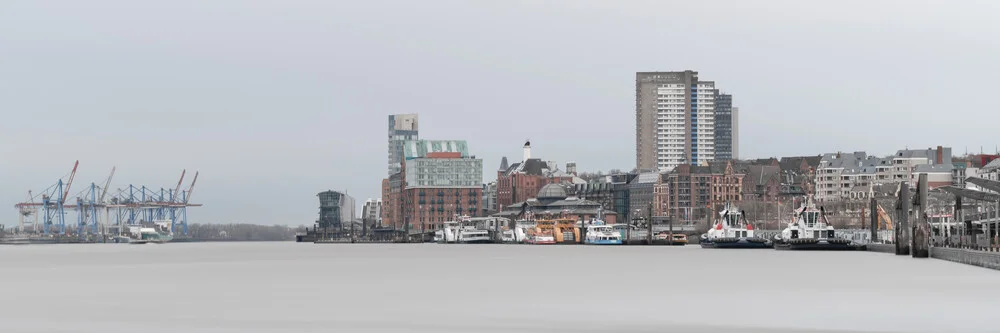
{"points": [[190, 189], [177, 189], [70, 182], [104, 191]]}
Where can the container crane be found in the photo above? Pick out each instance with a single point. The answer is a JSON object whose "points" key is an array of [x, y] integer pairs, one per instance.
{"points": [[176, 193]]}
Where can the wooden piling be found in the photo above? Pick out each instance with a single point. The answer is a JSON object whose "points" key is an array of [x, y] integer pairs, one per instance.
{"points": [[902, 228], [920, 242], [874, 219]]}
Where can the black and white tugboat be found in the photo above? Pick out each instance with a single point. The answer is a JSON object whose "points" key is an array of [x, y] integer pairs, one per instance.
{"points": [[733, 231], [810, 230]]}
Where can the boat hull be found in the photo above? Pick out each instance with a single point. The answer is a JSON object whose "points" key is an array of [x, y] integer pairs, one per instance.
{"points": [[603, 242], [818, 245], [476, 241], [736, 243]]}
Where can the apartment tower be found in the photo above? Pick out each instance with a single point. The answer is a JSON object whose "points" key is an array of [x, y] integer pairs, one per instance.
{"points": [[402, 127], [675, 120]]}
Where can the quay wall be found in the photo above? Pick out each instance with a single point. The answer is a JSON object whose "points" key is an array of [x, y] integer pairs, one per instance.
{"points": [[970, 257], [881, 248]]}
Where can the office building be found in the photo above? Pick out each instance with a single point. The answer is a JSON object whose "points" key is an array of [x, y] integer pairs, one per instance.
{"points": [[336, 211], [726, 135]]}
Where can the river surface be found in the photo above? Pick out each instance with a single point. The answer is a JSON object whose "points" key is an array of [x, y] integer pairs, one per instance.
{"points": [[289, 287]]}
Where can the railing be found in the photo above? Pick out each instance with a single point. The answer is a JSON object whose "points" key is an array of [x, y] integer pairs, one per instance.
{"points": [[859, 236]]}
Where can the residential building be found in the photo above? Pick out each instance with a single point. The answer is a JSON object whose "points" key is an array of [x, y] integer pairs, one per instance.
{"points": [[392, 205], [936, 163], [762, 183], [556, 201], [695, 192], [371, 213], [675, 120], [440, 181], [842, 176], [839, 174], [726, 141], [523, 180], [490, 198], [402, 127]]}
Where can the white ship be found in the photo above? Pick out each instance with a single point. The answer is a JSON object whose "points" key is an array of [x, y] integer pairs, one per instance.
{"points": [[810, 231], [599, 233], [732, 230]]}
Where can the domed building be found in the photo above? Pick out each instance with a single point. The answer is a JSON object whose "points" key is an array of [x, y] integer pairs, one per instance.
{"points": [[554, 201]]}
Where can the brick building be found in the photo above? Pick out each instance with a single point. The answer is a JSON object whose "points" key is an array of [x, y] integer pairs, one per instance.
{"points": [[694, 192], [523, 180], [440, 180]]}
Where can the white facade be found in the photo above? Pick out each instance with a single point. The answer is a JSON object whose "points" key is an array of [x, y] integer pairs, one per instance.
{"points": [[839, 175], [371, 213], [672, 118]]}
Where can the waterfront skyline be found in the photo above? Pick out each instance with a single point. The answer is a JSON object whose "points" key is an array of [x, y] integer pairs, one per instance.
{"points": [[274, 102]]}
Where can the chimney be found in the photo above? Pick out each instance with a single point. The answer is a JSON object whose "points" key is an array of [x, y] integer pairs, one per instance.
{"points": [[940, 155], [571, 168], [527, 151]]}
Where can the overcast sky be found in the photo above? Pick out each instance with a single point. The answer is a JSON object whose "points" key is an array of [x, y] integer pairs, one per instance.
{"points": [[274, 101]]}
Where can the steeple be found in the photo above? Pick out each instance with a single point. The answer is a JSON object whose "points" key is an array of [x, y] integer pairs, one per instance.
{"points": [[503, 164]]}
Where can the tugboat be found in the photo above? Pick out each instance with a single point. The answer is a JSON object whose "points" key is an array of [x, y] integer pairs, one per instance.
{"points": [[810, 230], [732, 231], [599, 233]]}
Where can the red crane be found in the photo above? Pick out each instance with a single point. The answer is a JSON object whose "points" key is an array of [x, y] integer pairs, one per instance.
{"points": [[70, 182]]}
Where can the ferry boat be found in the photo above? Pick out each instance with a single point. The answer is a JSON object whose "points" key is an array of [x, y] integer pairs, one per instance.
{"points": [[732, 231], [664, 237], [566, 231], [519, 233], [810, 230], [473, 235], [542, 234], [448, 233], [599, 233]]}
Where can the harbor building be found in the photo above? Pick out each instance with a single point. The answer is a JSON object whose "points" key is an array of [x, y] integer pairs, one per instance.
{"points": [[522, 180], [402, 127], [555, 201], [675, 120], [439, 181]]}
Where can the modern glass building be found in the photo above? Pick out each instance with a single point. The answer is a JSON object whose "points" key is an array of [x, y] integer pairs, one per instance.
{"points": [[402, 127], [336, 210]]}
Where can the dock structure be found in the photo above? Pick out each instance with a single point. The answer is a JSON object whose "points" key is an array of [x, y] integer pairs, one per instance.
{"points": [[101, 212]]}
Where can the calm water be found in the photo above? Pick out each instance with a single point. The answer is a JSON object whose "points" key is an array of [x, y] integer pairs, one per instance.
{"points": [[288, 287]]}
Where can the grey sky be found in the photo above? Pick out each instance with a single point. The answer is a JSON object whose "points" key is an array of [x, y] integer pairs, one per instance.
{"points": [[274, 101]]}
